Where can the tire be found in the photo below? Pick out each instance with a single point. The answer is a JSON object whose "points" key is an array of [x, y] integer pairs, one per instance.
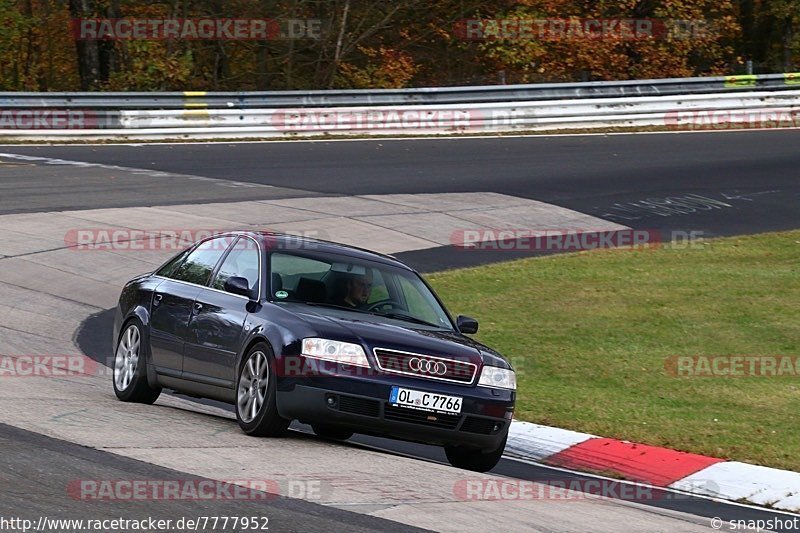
{"points": [[130, 366], [256, 385], [472, 459], [331, 432]]}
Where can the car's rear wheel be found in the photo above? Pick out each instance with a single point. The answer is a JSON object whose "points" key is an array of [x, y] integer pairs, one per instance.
{"points": [[256, 386], [331, 432], [472, 459], [130, 366]]}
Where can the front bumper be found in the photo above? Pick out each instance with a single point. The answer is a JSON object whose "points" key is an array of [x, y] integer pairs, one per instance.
{"points": [[362, 406]]}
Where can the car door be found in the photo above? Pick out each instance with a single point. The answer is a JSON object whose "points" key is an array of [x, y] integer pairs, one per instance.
{"points": [[173, 301], [216, 328]]}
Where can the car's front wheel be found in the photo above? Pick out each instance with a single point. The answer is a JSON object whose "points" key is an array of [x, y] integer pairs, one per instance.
{"points": [[130, 366], [256, 386], [472, 459]]}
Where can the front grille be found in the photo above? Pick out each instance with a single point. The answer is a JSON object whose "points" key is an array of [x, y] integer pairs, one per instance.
{"points": [[413, 416], [482, 426], [425, 366], [359, 406]]}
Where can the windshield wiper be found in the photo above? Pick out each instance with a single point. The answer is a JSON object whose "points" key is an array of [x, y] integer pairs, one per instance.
{"points": [[396, 316], [335, 306], [409, 318]]}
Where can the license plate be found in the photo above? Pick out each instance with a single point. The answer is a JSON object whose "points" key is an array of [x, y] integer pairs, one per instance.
{"points": [[425, 401]]}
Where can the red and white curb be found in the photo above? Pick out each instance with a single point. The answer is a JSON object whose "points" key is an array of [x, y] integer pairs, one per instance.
{"points": [[660, 467]]}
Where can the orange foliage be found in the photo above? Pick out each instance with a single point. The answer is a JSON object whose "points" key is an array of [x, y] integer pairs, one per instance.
{"points": [[389, 43]]}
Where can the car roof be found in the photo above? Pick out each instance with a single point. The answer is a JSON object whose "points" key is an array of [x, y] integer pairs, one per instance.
{"points": [[288, 243]]}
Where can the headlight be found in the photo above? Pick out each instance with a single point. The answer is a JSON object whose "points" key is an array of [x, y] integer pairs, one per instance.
{"points": [[345, 353], [498, 378]]}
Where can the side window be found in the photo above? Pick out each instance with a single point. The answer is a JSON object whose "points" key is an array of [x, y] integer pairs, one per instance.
{"points": [[417, 302], [201, 262], [379, 289], [300, 278], [241, 262], [168, 269], [293, 267]]}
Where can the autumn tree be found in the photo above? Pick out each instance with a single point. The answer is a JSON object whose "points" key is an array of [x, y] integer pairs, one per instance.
{"points": [[390, 43]]}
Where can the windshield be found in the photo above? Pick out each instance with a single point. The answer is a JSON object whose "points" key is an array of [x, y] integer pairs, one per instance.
{"points": [[366, 287]]}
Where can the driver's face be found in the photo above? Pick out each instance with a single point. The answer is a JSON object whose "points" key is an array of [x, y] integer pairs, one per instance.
{"points": [[360, 288]]}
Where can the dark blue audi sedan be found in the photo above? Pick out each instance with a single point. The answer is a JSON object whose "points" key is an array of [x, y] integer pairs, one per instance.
{"points": [[288, 328]]}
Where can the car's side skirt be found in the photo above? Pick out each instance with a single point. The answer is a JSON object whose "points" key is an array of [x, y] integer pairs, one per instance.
{"points": [[196, 388]]}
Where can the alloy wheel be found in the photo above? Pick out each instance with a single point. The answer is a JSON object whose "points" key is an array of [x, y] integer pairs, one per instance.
{"points": [[252, 391], [127, 357]]}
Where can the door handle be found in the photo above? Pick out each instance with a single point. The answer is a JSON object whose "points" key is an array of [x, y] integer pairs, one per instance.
{"points": [[198, 307]]}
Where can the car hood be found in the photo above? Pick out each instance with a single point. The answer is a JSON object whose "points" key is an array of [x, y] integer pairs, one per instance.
{"points": [[377, 332]]}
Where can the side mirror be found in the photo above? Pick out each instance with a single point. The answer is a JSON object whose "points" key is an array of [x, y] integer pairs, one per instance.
{"points": [[238, 285], [467, 324]]}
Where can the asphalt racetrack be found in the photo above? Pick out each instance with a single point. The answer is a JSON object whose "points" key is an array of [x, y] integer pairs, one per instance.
{"points": [[603, 175]]}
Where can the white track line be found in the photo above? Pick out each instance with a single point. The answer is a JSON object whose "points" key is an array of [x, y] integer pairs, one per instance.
{"points": [[382, 139]]}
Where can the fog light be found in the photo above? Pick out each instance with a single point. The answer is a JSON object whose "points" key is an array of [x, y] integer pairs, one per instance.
{"points": [[331, 401]]}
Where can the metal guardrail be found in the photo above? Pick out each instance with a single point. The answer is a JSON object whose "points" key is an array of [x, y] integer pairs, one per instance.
{"points": [[395, 97], [747, 109], [697, 103]]}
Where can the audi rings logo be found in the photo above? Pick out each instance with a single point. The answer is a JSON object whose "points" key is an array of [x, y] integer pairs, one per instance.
{"points": [[427, 366]]}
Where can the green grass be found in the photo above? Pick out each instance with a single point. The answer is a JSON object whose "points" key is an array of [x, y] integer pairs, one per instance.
{"points": [[589, 333]]}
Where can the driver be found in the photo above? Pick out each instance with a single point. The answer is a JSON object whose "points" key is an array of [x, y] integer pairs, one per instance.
{"points": [[357, 291]]}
